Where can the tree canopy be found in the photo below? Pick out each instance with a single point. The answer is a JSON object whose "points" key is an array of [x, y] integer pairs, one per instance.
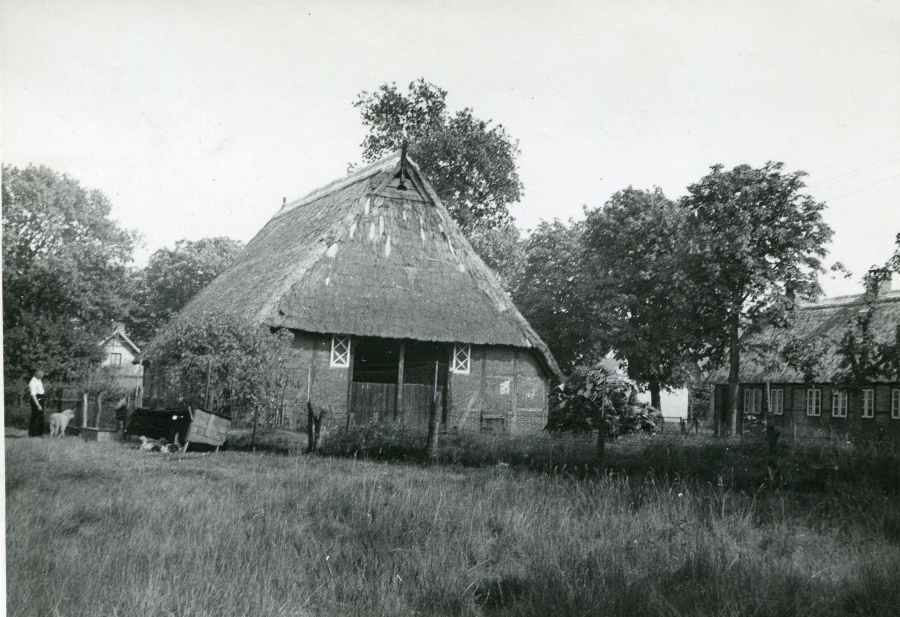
{"points": [[632, 278], [65, 272], [470, 164], [174, 276], [549, 293], [754, 246]]}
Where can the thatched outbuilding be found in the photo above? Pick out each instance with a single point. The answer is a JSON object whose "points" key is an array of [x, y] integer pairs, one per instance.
{"points": [[827, 403], [389, 306]]}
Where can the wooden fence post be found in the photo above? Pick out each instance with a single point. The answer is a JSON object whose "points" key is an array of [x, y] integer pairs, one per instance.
{"points": [[433, 419], [601, 426], [84, 410], [208, 371]]}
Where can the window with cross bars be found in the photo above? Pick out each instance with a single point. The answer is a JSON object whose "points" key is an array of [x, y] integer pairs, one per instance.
{"points": [[839, 404], [868, 410], [776, 404], [813, 402], [462, 359], [340, 351]]}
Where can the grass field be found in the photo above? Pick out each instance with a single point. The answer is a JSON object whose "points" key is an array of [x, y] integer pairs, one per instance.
{"points": [[103, 529]]}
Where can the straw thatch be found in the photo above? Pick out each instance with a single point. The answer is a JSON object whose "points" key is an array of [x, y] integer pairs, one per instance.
{"points": [[361, 257], [824, 323]]}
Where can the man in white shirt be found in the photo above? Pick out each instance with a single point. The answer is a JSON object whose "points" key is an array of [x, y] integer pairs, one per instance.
{"points": [[36, 389]]}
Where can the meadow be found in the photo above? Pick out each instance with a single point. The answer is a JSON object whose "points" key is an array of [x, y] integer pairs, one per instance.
{"points": [[103, 529]]}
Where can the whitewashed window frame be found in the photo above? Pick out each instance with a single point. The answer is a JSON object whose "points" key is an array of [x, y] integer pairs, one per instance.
{"points": [[840, 404], [340, 351], [814, 402], [895, 404], [868, 403], [776, 405], [462, 359], [753, 401]]}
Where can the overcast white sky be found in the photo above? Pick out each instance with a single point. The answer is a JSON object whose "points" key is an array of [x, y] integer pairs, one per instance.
{"points": [[197, 117]]}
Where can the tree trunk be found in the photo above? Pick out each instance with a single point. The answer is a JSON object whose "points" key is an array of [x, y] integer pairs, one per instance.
{"points": [[601, 428], [654, 396], [734, 371]]}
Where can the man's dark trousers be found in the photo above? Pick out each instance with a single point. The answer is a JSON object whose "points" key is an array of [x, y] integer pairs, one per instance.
{"points": [[36, 425]]}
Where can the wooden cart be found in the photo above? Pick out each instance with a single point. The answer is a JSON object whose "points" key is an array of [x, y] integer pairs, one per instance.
{"points": [[207, 427]]}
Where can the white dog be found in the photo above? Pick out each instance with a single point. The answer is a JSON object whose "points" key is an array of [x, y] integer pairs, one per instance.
{"points": [[59, 422]]}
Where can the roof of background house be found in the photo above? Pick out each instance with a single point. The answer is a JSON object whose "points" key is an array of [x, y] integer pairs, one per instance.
{"points": [[119, 330], [827, 318], [359, 257]]}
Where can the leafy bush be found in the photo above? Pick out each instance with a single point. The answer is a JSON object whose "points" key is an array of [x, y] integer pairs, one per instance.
{"points": [[245, 367], [575, 405]]}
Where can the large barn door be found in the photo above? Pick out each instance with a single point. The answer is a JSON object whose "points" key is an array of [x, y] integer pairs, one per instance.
{"points": [[394, 381]]}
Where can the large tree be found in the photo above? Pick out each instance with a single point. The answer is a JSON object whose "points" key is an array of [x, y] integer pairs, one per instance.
{"points": [[753, 247], [502, 250], [633, 278], [470, 162], [65, 268], [174, 276], [549, 293]]}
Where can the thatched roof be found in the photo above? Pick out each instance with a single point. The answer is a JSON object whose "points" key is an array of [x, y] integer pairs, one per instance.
{"points": [[818, 322], [361, 257]]}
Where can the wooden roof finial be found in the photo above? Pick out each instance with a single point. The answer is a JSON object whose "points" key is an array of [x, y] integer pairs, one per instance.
{"points": [[402, 185]]}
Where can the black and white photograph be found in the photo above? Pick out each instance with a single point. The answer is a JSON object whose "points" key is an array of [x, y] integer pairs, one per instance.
{"points": [[458, 308]]}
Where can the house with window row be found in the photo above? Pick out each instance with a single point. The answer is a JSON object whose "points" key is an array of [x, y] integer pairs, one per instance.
{"points": [[391, 309], [870, 410]]}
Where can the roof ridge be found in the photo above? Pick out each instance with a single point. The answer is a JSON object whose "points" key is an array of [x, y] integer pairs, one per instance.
{"points": [[323, 191], [849, 300], [531, 337]]}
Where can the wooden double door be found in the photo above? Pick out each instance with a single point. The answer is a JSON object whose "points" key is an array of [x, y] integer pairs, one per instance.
{"points": [[398, 381]]}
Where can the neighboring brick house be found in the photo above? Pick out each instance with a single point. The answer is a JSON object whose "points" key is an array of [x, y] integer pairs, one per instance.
{"points": [[867, 410], [389, 304], [120, 354]]}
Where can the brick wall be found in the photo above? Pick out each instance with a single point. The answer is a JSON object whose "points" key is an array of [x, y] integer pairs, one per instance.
{"points": [[505, 390], [329, 385], [882, 425]]}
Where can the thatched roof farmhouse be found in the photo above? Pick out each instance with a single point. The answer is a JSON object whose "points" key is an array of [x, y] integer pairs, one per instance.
{"points": [[389, 304], [868, 410]]}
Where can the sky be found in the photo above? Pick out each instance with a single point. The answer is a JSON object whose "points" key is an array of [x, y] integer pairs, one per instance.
{"points": [[197, 117]]}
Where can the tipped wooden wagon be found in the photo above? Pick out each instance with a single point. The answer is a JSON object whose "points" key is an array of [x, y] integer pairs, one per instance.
{"points": [[207, 427], [184, 423]]}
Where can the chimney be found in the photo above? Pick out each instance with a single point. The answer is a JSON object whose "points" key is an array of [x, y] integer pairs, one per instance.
{"points": [[118, 327]]}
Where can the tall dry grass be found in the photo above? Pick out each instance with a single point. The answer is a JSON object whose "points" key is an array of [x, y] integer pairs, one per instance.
{"points": [[102, 529]]}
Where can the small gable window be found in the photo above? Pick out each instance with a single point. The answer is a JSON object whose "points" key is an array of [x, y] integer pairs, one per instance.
{"points": [[340, 351], [752, 402], [115, 359], [813, 402], [462, 359], [839, 404], [895, 404], [777, 402], [868, 410]]}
